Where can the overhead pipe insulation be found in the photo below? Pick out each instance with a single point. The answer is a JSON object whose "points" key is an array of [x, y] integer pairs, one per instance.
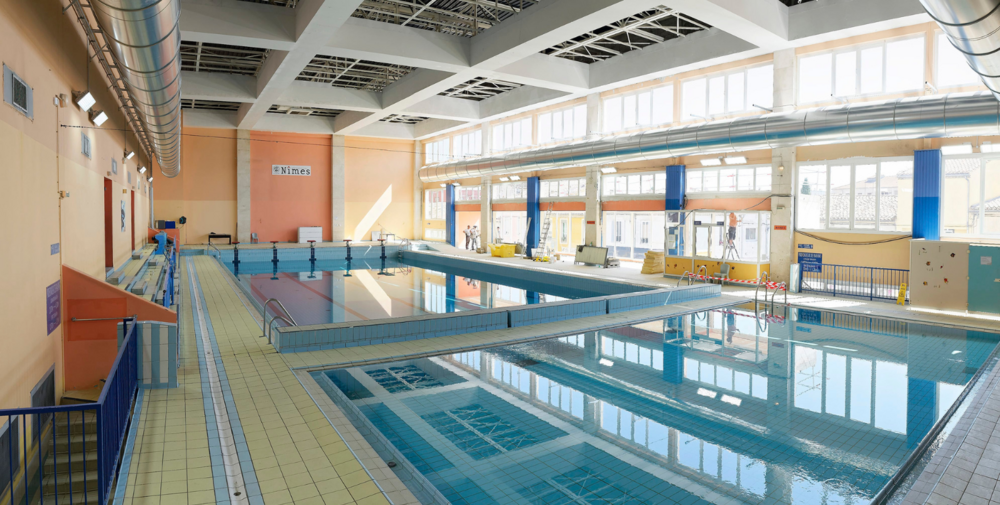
{"points": [[144, 37], [954, 115], [973, 27]]}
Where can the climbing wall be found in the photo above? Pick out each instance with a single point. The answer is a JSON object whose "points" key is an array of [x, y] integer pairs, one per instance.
{"points": [[939, 275]]}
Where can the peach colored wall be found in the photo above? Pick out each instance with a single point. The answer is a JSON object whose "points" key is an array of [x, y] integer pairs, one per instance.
{"points": [[895, 254], [373, 168], [280, 204], [45, 47], [205, 190], [634, 205], [510, 206]]}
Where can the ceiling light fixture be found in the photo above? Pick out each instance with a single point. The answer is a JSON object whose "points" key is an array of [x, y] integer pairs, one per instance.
{"points": [[958, 149], [608, 170], [515, 177], [98, 117], [130, 155], [456, 183], [84, 100], [736, 160], [504, 179], [711, 162], [443, 185]]}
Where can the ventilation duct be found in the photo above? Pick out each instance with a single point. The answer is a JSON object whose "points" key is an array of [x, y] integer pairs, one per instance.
{"points": [[144, 37], [973, 27], [954, 115]]}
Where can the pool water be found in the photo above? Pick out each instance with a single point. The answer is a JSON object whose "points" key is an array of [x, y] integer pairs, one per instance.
{"points": [[723, 406], [339, 291]]}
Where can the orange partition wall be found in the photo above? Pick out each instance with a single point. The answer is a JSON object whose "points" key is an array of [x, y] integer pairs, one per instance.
{"points": [[378, 187], [280, 204], [91, 346], [205, 189]]}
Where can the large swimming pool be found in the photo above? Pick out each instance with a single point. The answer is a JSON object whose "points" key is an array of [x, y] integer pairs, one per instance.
{"points": [[714, 407]]}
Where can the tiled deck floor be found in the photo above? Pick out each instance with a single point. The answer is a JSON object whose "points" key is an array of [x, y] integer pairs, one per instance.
{"points": [[297, 455]]}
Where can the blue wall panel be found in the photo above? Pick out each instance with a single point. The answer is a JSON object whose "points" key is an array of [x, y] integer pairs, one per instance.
{"points": [[927, 166], [449, 214], [534, 214], [676, 184]]}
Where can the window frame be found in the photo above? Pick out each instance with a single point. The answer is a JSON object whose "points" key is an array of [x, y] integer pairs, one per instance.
{"points": [[431, 208], [546, 183], [606, 185], [561, 111], [981, 217], [433, 154], [701, 193], [854, 162], [501, 147], [936, 61], [747, 105], [636, 93], [459, 142]]}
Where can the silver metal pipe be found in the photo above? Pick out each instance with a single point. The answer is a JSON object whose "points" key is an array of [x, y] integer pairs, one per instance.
{"points": [[954, 115], [145, 39], [973, 27]]}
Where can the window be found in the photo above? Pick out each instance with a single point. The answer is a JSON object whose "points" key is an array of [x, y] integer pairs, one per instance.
{"points": [[645, 108], [564, 188], [510, 191], [85, 144], [434, 204], [951, 67], [635, 184], [890, 66], [437, 152], [512, 135], [18, 94], [562, 124], [468, 144], [731, 93], [970, 194], [867, 194], [725, 180], [467, 193]]}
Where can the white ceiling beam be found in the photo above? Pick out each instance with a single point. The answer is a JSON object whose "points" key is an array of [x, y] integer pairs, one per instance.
{"points": [[431, 127], [385, 129], [763, 23], [545, 71], [195, 118], [319, 94], [315, 21], [519, 100], [238, 24], [218, 86], [446, 107], [398, 45]]}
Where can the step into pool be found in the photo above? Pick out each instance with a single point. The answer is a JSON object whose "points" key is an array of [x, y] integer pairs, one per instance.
{"points": [[723, 406]]}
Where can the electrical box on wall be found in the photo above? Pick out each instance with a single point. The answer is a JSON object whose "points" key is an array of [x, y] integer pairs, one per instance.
{"points": [[939, 275]]}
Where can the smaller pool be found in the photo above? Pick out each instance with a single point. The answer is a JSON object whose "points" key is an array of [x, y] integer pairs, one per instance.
{"points": [[339, 291]]}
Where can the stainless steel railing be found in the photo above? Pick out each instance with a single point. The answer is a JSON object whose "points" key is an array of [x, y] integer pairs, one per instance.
{"points": [[267, 326]]}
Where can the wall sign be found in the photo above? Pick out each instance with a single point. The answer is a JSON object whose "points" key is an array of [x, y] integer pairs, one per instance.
{"points": [[54, 249], [811, 262], [123, 216], [53, 306], [805, 246], [780, 227], [291, 170]]}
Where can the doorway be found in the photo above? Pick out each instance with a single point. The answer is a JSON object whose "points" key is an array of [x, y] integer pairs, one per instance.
{"points": [[109, 222]]}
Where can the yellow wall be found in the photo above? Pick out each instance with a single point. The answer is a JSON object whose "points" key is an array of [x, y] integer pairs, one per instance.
{"points": [[45, 48], [374, 167], [895, 254]]}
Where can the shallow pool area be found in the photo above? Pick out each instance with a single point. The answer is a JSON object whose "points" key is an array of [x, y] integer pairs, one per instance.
{"points": [[723, 406]]}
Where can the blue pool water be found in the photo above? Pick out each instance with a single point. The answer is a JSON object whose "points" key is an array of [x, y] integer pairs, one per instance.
{"points": [[712, 407], [337, 291]]}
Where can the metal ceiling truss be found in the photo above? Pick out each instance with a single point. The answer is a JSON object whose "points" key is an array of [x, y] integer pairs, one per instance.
{"points": [[99, 43], [303, 111], [352, 73], [187, 103], [207, 57], [634, 32], [480, 88], [402, 118], [457, 17]]}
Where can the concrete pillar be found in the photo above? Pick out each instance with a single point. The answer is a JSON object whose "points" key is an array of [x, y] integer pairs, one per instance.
{"points": [[486, 212], [594, 126], [783, 172], [418, 191], [243, 185], [338, 205], [592, 212]]}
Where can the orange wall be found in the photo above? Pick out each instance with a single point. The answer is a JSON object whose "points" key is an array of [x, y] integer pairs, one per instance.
{"points": [[374, 168], [205, 190], [45, 47], [280, 204]]}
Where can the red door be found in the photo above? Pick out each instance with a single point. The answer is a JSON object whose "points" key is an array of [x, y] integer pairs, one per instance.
{"points": [[132, 208], [109, 222]]}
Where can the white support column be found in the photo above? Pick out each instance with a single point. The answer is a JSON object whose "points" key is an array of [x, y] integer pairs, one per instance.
{"points": [[418, 191], [592, 214], [338, 204], [486, 212], [783, 170], [243, 186], [594, 124]]}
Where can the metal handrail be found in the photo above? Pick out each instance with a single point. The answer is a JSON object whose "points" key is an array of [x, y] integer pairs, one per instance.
{"points": [[685, 275], [705, 277], [764, 277], [283, 309], [213, 246], [268, 331], [781, 286]]}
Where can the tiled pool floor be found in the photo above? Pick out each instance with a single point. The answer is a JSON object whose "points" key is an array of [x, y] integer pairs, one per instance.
{"points": [[284, 428]]}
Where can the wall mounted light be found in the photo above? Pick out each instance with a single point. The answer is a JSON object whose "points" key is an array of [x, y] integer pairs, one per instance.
{"points": [[84, 100], [130, 155], [711, 162], [150, 180], [456, 184], [781, 168], [142, 169], [504, 179], [608, 170], [959, 149], [443, 185], [736, 160], [515, 177], [98, 117]]}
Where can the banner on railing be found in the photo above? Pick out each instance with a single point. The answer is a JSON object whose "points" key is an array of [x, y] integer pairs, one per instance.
{"points": [[156, 367]]}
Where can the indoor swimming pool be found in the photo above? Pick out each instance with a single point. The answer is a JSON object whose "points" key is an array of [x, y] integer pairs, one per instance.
{"points": [[724, 406], [324, 292]]}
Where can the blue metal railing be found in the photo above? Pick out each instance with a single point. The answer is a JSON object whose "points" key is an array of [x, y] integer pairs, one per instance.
{"points": [[168, 281], [30, 478], [843, 280]]}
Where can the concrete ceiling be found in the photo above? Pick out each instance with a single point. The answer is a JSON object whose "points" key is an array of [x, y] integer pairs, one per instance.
{"points": [[416, 68]]}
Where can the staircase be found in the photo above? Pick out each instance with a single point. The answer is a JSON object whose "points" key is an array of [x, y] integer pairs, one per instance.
{"points": [[75, 460]]}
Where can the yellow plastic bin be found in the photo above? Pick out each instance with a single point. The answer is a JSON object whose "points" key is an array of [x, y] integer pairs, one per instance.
{"points": [[502, 251]]}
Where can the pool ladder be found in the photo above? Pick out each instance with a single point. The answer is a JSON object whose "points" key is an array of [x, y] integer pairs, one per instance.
{"points": [[403, 246], [290, 321], [687, 275], [764, 279]]}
